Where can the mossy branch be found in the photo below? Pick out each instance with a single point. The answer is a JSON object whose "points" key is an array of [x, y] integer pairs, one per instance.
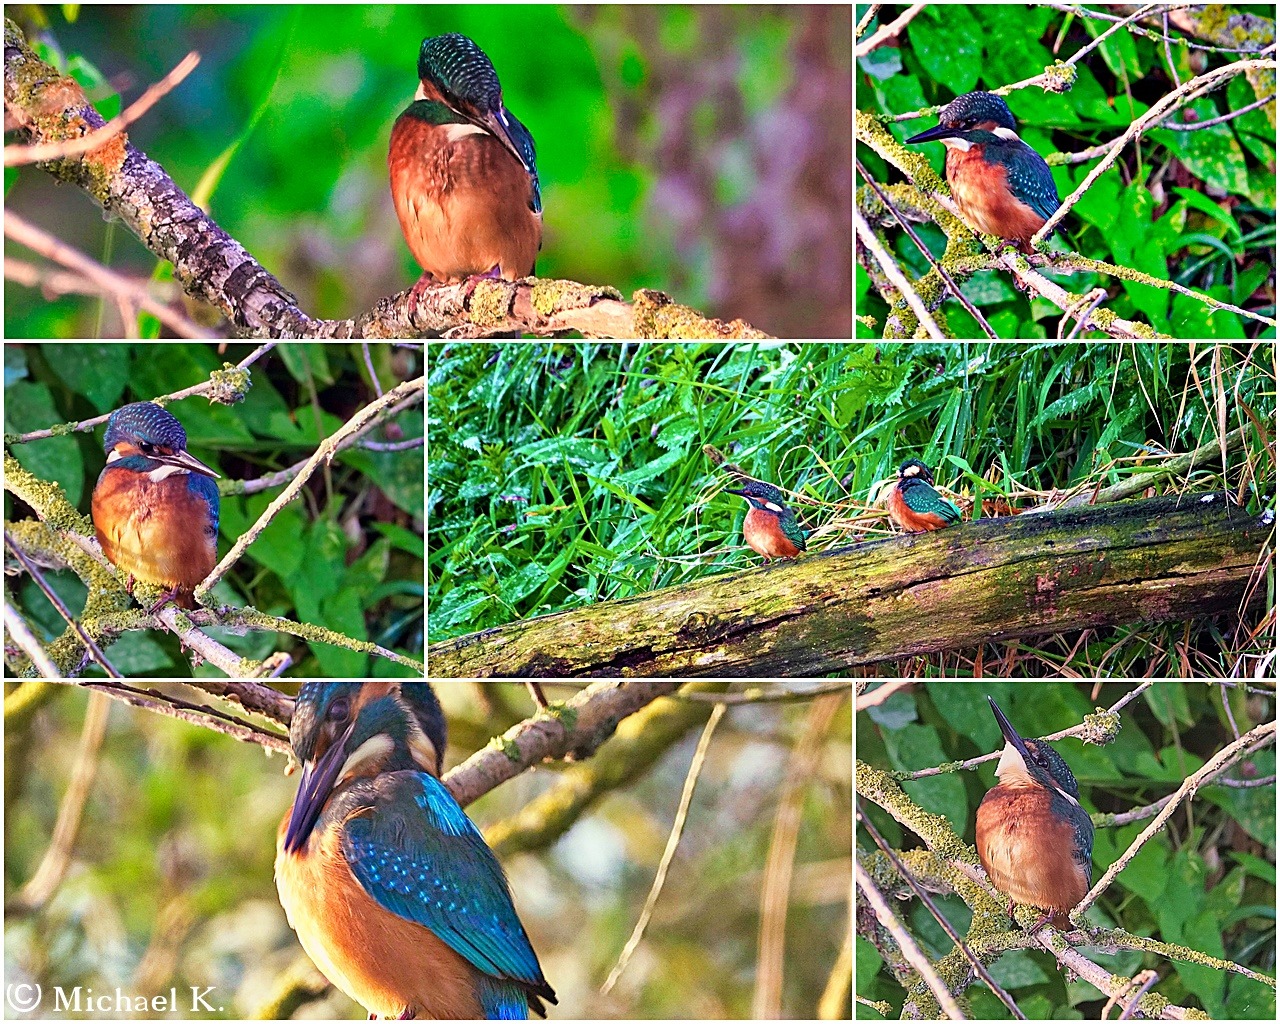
{"points": [[1158, 560]]}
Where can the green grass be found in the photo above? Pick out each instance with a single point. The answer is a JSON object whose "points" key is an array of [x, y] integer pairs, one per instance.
{"points": [[563, 474]]}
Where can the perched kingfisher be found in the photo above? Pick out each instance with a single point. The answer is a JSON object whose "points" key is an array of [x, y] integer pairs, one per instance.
{"points": [[770, 528], [464, 176], [915, 505], [1000, 185], [1034, 839], [155, 506], [392, 890]]}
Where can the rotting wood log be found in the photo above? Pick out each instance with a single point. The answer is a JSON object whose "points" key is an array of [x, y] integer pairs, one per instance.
{"points": [[1143, 561]]}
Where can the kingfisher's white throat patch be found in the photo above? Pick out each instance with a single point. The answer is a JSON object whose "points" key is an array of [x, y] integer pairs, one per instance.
{"points": [[1012, 769]]}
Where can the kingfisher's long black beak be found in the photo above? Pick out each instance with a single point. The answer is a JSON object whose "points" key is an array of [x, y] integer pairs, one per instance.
{"points": [[1010, 733], [187, 461], [934, 134], [318, 777]]}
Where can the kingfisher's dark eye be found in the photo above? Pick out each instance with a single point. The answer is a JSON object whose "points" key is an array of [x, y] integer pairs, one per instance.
{"points": [[339, 710], [147, 447]]}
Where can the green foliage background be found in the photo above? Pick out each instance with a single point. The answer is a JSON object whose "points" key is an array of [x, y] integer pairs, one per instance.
{"points": [[346, 556], [1206, 881], [564, 474]]}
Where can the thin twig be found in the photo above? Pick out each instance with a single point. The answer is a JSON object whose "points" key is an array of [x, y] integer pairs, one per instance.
{"points": [[323, 454], [57, 858], [766, 1001], [111, 283], [17, 155], [668, 854]]}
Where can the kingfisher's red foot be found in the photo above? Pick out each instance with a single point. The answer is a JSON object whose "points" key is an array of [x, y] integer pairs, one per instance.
{"points": [[1044, 920], [167, 597]]}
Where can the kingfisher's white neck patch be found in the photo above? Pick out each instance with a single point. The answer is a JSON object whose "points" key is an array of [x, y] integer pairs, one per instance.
{"points": [[454, 132], [367, 759], [1006, 133], [421, 749], [165, 470]]}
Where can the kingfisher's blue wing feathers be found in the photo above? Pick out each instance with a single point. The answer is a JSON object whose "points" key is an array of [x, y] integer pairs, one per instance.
{"points": [[923, 499], [421, 857], [502, 1000], [523, 141], [1028, 175], [204, 487], [1045, 199]]}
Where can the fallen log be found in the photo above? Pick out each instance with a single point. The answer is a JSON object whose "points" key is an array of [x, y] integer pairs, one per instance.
{"points": [[1143, 561]]}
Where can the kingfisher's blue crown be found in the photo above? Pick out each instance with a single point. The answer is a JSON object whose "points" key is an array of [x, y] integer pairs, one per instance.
{"points": [[973, 116], [975, 108], [761, 491], [144, 421], [460, 69]]}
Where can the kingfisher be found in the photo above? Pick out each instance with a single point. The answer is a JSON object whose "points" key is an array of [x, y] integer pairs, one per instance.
{"points": [[1034, 839], [155, 505], [915, 505], [392, 890], [464, 175], [770, 528], [1001, 185]]}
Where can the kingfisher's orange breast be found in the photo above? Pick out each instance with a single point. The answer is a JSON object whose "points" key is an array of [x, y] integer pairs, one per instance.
{"points": [[765, 537], [154, 529], [463, 200], [982, 195], [1028, 853], [391, 966]]}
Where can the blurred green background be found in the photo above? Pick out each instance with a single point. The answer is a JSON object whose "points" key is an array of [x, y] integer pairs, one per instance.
{"points": [[171, 874], [346, 555], [704, 151]]}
